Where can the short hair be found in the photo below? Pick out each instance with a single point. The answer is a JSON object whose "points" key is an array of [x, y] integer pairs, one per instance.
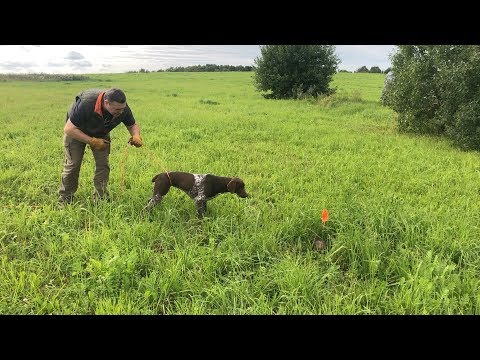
{"points": [[116, 95]]}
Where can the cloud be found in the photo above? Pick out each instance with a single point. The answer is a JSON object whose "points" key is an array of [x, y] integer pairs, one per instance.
{"points": [[73, 55], [56, 64], [17, 66], [78, 65]]}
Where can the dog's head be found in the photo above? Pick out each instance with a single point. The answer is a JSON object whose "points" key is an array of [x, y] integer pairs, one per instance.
{"points": [[237, 186]]}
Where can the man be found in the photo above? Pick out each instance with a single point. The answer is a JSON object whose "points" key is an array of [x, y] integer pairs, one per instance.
{"points": [[91, 117]]}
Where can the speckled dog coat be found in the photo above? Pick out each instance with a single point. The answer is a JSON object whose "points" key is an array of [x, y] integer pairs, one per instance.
{"points": [[200, 187]]}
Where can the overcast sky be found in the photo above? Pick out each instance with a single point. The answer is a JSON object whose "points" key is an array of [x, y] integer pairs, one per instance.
{"points": [[94, 59]]}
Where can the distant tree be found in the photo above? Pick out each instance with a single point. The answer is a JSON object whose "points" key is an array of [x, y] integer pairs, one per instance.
{"points": [[375, 70], [387, 70], [293, 71], [362, 69]]}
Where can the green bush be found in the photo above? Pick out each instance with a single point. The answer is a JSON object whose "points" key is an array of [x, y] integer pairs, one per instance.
{"points": [[465, 130], [436, 91], [295, 71]]}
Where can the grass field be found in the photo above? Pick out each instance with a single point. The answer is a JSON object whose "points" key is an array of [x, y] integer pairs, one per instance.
{"points": [[403, 223]]}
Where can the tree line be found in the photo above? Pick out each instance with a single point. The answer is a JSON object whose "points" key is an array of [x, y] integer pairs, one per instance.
{"points": [[218, 68], [201, 68], [372, 70]]}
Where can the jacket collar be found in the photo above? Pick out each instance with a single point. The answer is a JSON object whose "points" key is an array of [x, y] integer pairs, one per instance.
{"points": [[98, 104]]}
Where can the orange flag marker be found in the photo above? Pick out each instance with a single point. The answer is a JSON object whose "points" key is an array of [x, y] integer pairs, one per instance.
{"points": [[324, 216]]}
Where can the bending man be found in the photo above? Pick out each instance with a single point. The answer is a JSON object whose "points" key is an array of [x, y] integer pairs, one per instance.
{"points": [[91, 117]]}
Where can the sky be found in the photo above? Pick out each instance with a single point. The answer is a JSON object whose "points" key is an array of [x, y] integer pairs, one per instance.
{"points": [[99, 59]]}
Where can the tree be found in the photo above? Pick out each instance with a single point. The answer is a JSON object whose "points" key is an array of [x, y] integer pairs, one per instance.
{"points": [[362, 69], [375, 70], [293, 71], [436, 90]]}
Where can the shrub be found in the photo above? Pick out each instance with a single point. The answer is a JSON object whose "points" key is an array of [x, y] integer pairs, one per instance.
{"points": [[436, 90], [295, 71], [465, 129]]}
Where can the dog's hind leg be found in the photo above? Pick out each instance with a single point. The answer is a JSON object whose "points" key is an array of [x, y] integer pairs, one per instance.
{"points": [[152, 202]]}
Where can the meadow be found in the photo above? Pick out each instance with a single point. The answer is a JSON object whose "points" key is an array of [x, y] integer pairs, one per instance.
{"points": [[404, 210]]}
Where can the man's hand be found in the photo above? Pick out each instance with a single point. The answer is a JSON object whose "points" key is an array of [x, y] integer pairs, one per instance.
{"points": [[98, 144], [136, 141]]}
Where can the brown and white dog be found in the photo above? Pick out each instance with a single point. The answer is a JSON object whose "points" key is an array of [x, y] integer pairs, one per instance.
{"points": [[200, 187]]}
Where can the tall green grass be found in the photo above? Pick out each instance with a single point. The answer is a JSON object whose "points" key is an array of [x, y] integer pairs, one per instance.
{"points": [[404, 210]]}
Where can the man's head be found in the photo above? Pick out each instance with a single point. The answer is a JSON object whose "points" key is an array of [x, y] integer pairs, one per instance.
{"points": [[115, 101]]}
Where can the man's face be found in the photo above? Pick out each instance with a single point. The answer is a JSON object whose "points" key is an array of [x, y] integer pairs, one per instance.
{"points": [[114, 107]]}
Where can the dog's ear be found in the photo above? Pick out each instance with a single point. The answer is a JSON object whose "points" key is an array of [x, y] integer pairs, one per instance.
{"points": [[155, 178], [237, 186]]}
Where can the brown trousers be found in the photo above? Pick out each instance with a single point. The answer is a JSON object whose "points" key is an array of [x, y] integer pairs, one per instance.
{"points": [[74, 151]]}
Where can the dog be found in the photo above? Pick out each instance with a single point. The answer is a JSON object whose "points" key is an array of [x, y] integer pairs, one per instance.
{"points": [[200, 187]]}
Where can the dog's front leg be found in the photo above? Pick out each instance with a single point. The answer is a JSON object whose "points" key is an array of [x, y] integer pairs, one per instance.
{"points": [[152, 202], [201, 208]]}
